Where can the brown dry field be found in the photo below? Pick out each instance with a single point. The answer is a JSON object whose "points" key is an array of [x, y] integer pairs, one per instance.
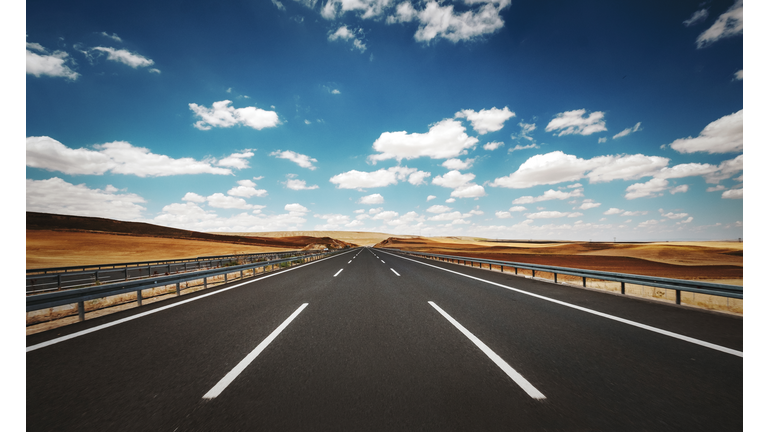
{"points": [[62, 248], [357, 237], [707, 261]]}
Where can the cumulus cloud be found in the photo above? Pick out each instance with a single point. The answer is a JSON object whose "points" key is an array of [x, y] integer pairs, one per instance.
{"points": [[628, 131], [486, 120], [445, 139], [295, 208], [439, 209], [384, 177], [219, 200], [441, 21], [574, 122], [521, 147], [503, 214], [193, 217], [222, 114], [557, 167], [246, 189], [493, 145], [301, 160], [724, 135], [552, 214], [431, 197], [460, 183], [193, 197], [549, 195], [651, 188], [60, 197], [296, 184], [42, 62], [125, 57], [734, 194], [589, 204], [118, 157], [236, 160], [371, 199], [730, 23], [343, 33], [458, 164]]}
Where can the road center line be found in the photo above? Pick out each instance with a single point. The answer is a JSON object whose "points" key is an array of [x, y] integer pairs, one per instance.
{"points": [[337, 273], [393, 271], [228, 378], [516, 377], [383, 261], [594, 312]]}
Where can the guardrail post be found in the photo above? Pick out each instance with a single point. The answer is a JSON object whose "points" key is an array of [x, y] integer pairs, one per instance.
{"points": [[178, 289], [138, 297], [58, 281], [225, 278], [81, 310], [677, 296], [533, 274], [622, 287], [555, 277], [515, 270], [584, 282], [205, 282]]}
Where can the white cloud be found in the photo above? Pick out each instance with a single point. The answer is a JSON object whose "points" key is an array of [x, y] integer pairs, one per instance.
{"points": [[549, 195], [730, 23], [222, 114], [458, 164], [418, 177], [371, 199], [438, 21], [193, 197], [493, 145], [431, 197], [453, 179], [450, 200], [246, 189], [365, 8], [589, 204], [551, 214], [679, 189], [739, 75], [445, 139], [279, 5], [296, 208], [648, 223], [716, 188], [468, 191], [574, 122], [112, 36], [697, 17], [384, 177], [301, 160], [558, 167], [343, 33], [118, 157], [192, 217], [487, 120], [517, 209], [651, 188], [125, 57], [219, 200], [670, 215], [628, 131], [520, 147], [56, 64], [60, 197], [723, 135], [734, 194], [503, 215], [296, 184], [439, 209], [236, 160]]}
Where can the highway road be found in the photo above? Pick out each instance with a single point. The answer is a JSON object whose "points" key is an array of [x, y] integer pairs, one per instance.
{"points": [[368, 340]]}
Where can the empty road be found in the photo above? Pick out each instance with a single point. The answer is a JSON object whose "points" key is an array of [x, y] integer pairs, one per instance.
{"points": [[368, 340]]}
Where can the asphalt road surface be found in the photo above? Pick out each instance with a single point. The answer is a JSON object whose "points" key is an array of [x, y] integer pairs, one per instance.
{"points": [[367, 340]]}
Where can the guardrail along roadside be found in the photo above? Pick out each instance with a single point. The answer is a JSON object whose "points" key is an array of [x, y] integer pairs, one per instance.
{"points": [[670, 287], [92, 298]]}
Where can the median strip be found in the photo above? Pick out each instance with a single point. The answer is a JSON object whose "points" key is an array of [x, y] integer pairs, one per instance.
{"points": [[228, 378], [503, 365]]}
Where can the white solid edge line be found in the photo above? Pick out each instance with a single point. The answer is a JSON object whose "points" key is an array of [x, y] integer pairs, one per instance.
{"points": [[601, 314], [133, 317], [228, 378], [337, 273], [393, 270], [511, 372]]}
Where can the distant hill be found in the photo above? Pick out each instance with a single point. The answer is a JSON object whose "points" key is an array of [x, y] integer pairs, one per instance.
{"points": [[55, 222]]}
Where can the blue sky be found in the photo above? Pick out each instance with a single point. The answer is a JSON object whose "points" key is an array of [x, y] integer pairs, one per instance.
{"points": [[524, 120]]}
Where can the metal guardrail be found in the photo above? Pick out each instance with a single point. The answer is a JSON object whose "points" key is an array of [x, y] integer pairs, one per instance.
{"points": [[722, 290], [158, 262], [49, 279], [80, 295]]}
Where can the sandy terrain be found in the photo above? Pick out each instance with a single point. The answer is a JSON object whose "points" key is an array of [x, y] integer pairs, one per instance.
{"points": [[702, 261], [356, 237]]}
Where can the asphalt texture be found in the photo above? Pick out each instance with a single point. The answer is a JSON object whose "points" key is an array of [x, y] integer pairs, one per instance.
{"points": [[369, 352]]}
